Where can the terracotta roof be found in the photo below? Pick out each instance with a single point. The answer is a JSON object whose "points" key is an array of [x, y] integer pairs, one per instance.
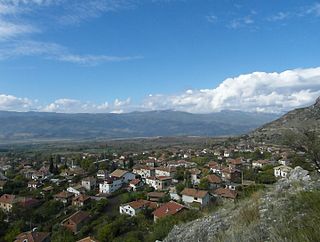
{"points": [[167, 169], [81, 198], [118, 173], [142, 203], [163, 178], [32, 237], [194, 192], [235, 161], [135, 182], [88, 239], [195, 171], [226, 193], [7, 198], [261, 162], [214, 179], [78, 217], [64, 194], [169, 208]]}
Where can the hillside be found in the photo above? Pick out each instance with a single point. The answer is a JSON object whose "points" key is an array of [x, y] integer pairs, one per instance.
{"points": [[19, 126], [298, 120], [289, 211]]}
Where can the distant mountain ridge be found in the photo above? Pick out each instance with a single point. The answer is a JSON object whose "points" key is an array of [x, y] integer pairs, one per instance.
{"points": [[23, 126], [298, 120]]}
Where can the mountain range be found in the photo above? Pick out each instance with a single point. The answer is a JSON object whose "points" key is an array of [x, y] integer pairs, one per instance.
{"points": [[36, 126]]}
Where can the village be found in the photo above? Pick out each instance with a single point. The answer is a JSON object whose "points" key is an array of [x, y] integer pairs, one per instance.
{"points": [[96, 197]]}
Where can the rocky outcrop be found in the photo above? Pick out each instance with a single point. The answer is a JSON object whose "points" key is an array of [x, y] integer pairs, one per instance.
{"points": [[249, 220]]}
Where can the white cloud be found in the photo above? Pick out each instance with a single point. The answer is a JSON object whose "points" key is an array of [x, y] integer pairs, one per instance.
{"points": [[254, 92], [241, 22], [279, 16], [257, 91], [56, 52], [9, 29], [211, 18], [66, 105], [19, 22], [12, 103]]}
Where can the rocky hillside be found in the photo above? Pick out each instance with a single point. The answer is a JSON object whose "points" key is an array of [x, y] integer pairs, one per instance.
{"points": [[287, 212], [297, 120]]}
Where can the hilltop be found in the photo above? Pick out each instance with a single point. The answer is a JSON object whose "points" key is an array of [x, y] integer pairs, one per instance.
{"points": [[298, 120]]}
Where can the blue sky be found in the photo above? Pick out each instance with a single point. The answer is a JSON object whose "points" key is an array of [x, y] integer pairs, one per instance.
{"points": [[189, 55]]}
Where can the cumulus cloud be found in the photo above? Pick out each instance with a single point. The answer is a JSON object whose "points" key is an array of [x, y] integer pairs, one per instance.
{"points": [[257, 91], [66, 105], [12, 103], [254, 92]]}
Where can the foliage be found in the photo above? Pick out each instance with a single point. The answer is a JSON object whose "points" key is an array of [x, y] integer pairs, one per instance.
{"points": [[180, 187], [204, 184], [62, 235]]}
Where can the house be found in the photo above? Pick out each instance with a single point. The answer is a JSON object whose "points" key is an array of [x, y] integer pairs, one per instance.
{"points": [[282, 171], [155, 196], [191, 195], [110, 185], [133, 208], [7, 201], [230, 174], [173, 194], [144, 171], [33, 236], [76, 190], [81, 200], [169, 208], [159, 183], [102, 174], [75, 222], [260, 163], [235, 163], [89, 183], [165, 171], [135, 184], [123, 175], [195, 176], [226, 193], [65, 197], [214, 181]]}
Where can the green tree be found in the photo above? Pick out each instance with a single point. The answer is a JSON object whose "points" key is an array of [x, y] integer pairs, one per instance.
{"points": [[62, 235], [204, 184]]}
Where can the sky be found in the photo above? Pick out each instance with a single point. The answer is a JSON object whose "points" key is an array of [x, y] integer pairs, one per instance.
{"points": [[199, 56]]}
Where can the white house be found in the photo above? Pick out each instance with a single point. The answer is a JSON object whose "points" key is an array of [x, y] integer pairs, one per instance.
{"points": [[195, 175], [144, 171], [89, 183], [191, 195], [135, 184], [260, 163], [173, 194], [76, 190], [110, 185], [133, 208], [282, 171], [165, 171], [160, 182], [124, 175], [102, 174]]}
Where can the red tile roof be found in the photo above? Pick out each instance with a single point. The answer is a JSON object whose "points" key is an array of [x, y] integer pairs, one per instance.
{"points": [[78, 217], [32, 237], [226, 193], [7, 198], [169, 208], [214, 179], [194, 192]]}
